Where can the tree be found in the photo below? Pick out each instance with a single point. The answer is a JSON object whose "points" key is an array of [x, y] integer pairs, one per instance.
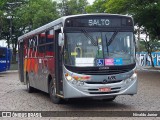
{"points": [[37, 13], [25, 15], [8, 8], [72, 7], [5, 33], [146, 14], [97, 7]]}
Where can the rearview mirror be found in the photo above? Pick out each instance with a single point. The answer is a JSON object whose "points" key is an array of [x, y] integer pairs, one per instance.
{"points": [[60, 39]]}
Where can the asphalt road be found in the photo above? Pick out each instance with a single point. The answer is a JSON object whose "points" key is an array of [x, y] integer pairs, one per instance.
{"points": [[14, 97]]}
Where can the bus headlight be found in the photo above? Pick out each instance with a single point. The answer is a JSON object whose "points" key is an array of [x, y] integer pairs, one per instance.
{"points": [[77, 79], [132, 78], [69, 77]]}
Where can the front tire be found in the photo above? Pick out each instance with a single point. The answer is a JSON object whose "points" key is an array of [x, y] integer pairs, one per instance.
{"points": [[55, 99], [29, 88]]}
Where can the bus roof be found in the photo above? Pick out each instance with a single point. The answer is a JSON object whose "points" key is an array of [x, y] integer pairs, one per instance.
{"points": [[61, 20]]}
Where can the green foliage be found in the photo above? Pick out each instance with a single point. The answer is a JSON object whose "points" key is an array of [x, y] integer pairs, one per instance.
{"points": [[146, 13], [154, 45], [118, 6], [72, 7], [37, 13], [141, 46], [149, 17], [25, 15], [97, 7]]}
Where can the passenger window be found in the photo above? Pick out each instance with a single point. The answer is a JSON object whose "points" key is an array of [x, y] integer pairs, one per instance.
{"points": [[49, 50], [35, 41], [42, 38], [49, 36], [41, 51], [49, 43]]}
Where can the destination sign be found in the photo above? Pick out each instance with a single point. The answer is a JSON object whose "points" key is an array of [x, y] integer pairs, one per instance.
{"points": [[98, 21]]}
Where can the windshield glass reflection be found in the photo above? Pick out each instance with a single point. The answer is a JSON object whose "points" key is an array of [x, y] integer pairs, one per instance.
{"points": [[99, 48]]}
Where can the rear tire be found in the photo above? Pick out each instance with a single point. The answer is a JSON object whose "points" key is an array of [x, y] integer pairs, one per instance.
{"points": [[29, 88], [55, 99]]}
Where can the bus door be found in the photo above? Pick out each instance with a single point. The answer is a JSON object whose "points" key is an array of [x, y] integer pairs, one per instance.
{"points": [[58, 65], [21, 61]]}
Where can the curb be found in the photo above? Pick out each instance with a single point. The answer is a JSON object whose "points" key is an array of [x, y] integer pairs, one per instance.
{"points": [[151, 70], [12, 71], [146, 69]]}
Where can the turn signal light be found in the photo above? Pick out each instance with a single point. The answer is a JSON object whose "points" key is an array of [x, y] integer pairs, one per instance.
{"points": [[82, 77], [75, 77], [66, 74]]}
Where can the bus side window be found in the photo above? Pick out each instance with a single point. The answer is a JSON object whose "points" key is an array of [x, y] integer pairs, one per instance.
{"points": [[49, 43], [49, 50], [35, 41], [49, 36], [25, 48], [41, 44], [42, 38], [30, 47], [41, 51]]}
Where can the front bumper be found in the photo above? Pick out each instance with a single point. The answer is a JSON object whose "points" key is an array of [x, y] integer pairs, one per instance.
{"points": [[124, 87]]}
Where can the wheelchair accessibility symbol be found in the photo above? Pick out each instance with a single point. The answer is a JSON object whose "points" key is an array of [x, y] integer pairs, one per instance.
{"points": [[100, 62]]}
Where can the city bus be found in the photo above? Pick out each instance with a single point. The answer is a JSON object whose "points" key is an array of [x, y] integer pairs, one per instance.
{"points": [[5, 58], [80, 56]]}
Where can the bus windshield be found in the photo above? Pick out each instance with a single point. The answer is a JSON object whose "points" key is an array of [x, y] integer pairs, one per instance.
{"points": [[85, 48]]}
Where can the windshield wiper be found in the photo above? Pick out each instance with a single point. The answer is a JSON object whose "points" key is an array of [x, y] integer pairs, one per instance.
{"points": [[111, 39], [94, 42], [107, 45]]}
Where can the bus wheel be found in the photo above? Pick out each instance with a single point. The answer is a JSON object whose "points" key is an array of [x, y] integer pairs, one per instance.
{"points": [[29, 88], [55, 99]]}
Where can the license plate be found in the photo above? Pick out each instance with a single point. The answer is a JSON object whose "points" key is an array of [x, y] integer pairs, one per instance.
{"points": [[104, 89]]}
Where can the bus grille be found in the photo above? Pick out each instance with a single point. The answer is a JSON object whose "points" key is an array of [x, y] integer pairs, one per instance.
{"points": [[103, 82], [103, 92], [104, 72]]}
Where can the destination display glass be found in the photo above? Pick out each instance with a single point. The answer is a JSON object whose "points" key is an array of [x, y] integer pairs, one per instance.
{"points": [[99, 21]]}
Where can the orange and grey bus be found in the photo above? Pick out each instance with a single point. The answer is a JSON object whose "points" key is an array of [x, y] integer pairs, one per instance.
{"points": [[80, 56]]}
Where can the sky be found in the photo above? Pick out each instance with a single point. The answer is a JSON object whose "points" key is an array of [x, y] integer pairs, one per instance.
{"points": [[3, 43], [90, 1]]}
